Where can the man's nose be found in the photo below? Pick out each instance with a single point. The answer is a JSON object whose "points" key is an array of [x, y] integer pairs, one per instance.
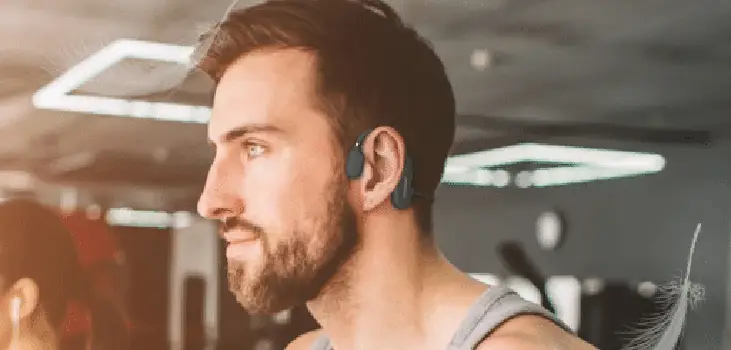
{"points": [[220, 198]]}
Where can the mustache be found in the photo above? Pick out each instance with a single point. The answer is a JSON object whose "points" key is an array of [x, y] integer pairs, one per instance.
{"points": [[241, 224]]}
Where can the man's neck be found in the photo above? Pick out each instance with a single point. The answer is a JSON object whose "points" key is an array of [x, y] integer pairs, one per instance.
{"points": [[388, 294]]}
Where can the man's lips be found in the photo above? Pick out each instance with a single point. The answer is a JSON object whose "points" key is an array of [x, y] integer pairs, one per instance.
{"points": [[240, 240], [241, 248], [238, 236]]}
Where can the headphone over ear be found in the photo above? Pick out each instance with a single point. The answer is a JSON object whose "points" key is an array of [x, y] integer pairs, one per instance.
{"points": [[403, 194], [15, 304]]}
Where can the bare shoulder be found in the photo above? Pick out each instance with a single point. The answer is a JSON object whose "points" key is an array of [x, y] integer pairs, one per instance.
{"points": [[304, 341], [533, 333]]}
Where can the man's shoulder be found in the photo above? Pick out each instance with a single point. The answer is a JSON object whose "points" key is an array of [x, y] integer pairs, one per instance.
{"points": [[533, 333], [304, 341]]}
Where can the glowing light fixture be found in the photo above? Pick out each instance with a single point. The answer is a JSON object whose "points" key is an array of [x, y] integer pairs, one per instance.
{"points": [[56, 95], [137, 218], [584, 165], [480, 59]]}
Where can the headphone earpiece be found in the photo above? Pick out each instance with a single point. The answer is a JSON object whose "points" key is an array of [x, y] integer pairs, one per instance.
{"points": [[356, 160], [354, 164], [15, 304], [402, 195]]}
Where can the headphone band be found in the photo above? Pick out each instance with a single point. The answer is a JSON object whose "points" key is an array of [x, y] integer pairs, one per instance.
{"points": [[403, 195], [423, 196]]}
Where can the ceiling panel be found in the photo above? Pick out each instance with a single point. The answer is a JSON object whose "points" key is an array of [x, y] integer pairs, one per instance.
{"points": [[660, 63]]}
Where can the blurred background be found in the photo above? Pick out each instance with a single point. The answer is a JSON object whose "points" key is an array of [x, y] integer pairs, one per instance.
{"points": [[593, 137]]}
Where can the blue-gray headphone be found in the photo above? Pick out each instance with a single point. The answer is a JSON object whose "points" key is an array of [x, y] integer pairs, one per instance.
{"points": [[402, 196]]}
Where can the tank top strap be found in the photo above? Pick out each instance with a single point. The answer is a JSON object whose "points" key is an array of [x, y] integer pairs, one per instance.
{"points": [[321, 343], [493, 308], [496, 306]]}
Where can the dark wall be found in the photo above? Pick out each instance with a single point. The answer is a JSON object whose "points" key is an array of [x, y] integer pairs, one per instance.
{"points": [[629, 229]]}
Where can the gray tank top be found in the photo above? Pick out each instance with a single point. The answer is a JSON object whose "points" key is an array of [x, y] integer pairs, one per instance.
{"points": [[493, 308]]}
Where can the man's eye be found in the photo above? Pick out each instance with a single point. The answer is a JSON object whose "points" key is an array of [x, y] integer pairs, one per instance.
{"points": [[253, 150]]}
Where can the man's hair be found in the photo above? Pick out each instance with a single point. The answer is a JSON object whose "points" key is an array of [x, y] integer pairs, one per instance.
{"points": [[372, 70]]}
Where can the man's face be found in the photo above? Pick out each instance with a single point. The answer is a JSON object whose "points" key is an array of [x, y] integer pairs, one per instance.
{"points": [[277, 183]]}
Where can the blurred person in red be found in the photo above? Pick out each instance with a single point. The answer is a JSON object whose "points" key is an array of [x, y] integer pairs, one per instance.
{"points": [[103, 261], [40, 276]]}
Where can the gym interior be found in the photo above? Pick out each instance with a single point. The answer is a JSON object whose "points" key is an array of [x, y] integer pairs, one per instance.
{"points": [[592, 140]]}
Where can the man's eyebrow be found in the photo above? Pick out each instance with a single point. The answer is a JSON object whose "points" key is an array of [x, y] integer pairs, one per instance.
{"points": [[240, 131]]}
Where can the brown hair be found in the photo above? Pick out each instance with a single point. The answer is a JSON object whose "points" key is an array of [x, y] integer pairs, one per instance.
{"points": [[372, 70]]}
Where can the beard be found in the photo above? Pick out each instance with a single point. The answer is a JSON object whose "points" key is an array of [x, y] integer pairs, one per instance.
{"points": [[295, 270]]}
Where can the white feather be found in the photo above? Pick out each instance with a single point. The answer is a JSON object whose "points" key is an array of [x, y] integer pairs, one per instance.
{"points": [[664, 330]]}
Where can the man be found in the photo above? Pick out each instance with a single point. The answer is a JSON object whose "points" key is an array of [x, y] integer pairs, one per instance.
{"points": [[321, 107]]}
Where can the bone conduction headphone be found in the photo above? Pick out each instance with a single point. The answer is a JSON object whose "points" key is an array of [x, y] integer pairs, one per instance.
{"points": [[403, 194]]}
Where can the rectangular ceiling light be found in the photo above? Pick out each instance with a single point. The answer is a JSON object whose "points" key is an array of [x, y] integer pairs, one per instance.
{"points": [[57, 94], [574, 165]]}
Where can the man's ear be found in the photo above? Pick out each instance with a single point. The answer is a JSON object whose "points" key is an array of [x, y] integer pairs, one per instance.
{"points": [[384, 151], [22, 298]]}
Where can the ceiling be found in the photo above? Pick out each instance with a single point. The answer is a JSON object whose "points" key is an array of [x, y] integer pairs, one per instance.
{"points": [[648, 69]]}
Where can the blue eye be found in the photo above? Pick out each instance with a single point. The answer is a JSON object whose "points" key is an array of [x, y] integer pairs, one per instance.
{"points": [[254, 150]]}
